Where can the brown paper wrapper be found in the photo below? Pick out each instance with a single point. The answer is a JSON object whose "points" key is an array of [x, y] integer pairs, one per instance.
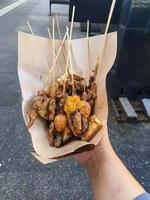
{"points": [[33, 55]]}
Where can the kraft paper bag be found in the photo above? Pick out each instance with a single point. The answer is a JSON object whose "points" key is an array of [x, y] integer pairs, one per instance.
{"points": [[34, 54]]}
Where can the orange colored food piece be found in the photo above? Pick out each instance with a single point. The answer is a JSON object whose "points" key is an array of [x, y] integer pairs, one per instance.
{"points": [[60, 122]]}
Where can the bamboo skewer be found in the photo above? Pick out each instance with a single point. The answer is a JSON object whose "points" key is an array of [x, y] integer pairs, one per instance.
{"points": [[67, 62], [105, 35], [46, 65], [58, 53], [72, 21], [70, 61], [30, 28], [87, 37], [53, 37], [49, 72], [88, 27], [60, 37], [53, 52], [59, 50], [110, 15], [69, 46], [53, 48]]}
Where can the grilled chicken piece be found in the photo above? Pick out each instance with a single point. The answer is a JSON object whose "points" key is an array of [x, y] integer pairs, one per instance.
{"points": [[85, 109], [50, 133], [58, 139], [77, 124], [85, 125], [67, 134], [33, 113], [43, 109], [52, 109], [51, 91], [60, 122], [94, 126]]}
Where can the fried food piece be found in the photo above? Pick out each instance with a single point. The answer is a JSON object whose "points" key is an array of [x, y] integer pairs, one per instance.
{"points": [[42, 93], [94, 126], [70, 124], [91, 80], [84, 96], [55, 138], [84, 108], [92, 94], [32, 115], [77, 77], [58, 139], [51, 127], [50, 133], [79, 84], [43, 109], [52, 109], [67, 134], [60, 122], [60, 100], [85, 124], [77, 124], [38, 102], [39, 108], [71, 104], [51, 90]]}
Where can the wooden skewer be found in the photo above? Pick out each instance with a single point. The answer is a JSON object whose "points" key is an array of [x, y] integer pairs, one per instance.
{"points": [[49, 72], [30, 28], [59, 50], [53, 38], [47, 67], [72, 21], [108, 22], [67, 62], [51, 46], [87, 37], [70, 61], [69, 46], [87, 32], [49, 34], [60, 37], [110, 15], [99, 59]]}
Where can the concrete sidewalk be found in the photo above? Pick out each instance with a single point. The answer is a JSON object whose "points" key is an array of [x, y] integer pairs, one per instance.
{"points": [[4, 3], [23, 177]]}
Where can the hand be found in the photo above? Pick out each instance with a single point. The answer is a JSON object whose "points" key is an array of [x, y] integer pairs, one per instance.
{"points": [[99, 149], [85, 156], [110, 179]]}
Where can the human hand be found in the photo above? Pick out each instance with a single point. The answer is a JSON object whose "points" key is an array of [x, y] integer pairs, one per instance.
{"points": [[86, 156]]}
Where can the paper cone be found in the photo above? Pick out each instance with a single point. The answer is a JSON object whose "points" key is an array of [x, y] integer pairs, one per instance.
{"points": [[33, 54]]}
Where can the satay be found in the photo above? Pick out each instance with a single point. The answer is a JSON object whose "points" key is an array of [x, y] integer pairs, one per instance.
{"points": [[67, 134], [94, 126], [69, 113], [60, 122]]}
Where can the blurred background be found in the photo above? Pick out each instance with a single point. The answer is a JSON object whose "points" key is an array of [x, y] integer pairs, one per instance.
{"points": [[128, 86]]}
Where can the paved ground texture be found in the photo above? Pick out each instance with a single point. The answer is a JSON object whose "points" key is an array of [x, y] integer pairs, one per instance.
{"points": [[21, 176]]}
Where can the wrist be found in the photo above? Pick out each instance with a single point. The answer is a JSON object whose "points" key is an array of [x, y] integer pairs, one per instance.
{"points": [[103, 152]]}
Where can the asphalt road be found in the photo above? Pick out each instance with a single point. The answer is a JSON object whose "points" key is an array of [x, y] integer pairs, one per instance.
{"points": [[21, 175]]}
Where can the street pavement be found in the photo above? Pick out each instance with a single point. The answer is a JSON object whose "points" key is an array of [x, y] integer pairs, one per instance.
{"points": [[22, 177], [4, 3]]}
